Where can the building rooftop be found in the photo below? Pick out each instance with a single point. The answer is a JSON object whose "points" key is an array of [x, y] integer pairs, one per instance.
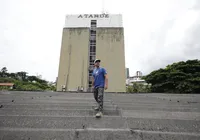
{"points": [[6, 84]]}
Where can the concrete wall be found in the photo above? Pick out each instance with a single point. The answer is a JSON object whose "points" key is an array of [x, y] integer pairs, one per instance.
{"points": [[74, 65], [110, 49]]}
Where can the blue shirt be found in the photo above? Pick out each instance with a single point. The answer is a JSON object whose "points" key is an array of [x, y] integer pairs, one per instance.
{"points": [[99, 77]]}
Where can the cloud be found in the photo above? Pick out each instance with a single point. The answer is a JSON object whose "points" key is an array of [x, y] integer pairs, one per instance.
{"points": [[175, 40]]}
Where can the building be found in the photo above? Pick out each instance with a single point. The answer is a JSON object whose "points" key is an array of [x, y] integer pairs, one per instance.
{"points": [[127, 73], [136, 79], [6, 85], [85, 38], [138, 74]]}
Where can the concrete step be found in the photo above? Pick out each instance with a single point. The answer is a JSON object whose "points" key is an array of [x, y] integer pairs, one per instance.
{"points": [[43, 99], [30, 101], [40, 116], [61, 122], [160, 108], [47, 97], [55, 106], [57, 112], [43, 102], [166, 104], [91, 134], [78, 122], [161, 115], [164, 125], [110, 106]]}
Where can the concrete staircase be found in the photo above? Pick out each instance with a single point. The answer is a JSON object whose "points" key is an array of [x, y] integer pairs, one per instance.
{"points": [[70, 116]]}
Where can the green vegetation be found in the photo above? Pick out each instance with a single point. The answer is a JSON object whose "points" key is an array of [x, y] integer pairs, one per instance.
{"points": [[24, 82], [180, 77], [139, 88]]}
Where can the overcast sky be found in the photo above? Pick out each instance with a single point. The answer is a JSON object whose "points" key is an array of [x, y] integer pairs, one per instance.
{"points": [[157, 32]]}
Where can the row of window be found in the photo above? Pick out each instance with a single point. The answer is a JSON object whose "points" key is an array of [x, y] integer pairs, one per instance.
{"points": [[92, 52]]}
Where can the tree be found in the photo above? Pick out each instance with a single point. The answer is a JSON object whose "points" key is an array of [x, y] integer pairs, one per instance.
{"points": [[4, 69], [24, 82], [180, 77], [22, 75], [32, 78], [4, 72], [138, 88], [12, 75]]}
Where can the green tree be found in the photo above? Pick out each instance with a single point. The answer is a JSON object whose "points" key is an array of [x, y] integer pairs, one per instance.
{"points": [[3, 72], [23, 82], [13, 75], [22, 75], [180, 77], [138, 88]]}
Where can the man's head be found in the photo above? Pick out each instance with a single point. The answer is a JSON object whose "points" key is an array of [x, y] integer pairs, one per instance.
{"points": [[97, 62]]}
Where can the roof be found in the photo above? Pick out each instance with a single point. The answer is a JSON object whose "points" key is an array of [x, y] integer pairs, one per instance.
{"points": [[6, 84]]}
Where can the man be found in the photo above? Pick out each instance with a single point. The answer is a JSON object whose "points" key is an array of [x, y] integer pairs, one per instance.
{"points": [[99, 82]]}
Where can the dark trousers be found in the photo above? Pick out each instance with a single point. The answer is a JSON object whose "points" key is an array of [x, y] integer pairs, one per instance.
{"points": [[98, 96]]}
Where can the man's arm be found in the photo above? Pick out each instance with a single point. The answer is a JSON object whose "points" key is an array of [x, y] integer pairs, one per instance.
{"points": [[106, 81], [106, 78], [92, 81]]}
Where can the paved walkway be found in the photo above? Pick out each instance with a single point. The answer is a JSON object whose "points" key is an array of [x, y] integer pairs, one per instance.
{"points": [[70, 116]]}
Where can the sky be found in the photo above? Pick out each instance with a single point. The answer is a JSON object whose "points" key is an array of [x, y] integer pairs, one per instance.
{"points": [[157, 32]]}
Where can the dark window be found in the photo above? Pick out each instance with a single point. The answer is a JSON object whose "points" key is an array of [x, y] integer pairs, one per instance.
{"points": [[93, 41], [93, 32]]}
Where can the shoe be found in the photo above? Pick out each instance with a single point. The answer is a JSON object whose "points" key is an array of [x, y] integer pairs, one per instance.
{"points": [[96, 108], [99, 115]]}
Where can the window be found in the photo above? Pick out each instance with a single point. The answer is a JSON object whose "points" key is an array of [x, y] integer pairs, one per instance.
{"points": [[93, 37], [93, 41], [91, 67], [92, 50], [93, 29], [93, 32], [92, 58], [90, 78], [93, 22], [93, 53]]}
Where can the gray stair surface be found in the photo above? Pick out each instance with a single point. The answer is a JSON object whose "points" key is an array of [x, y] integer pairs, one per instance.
{"points": [[71, 116]]}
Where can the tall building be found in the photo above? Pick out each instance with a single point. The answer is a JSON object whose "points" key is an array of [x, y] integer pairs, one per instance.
{"points": [[85, 38], [127, 73]]}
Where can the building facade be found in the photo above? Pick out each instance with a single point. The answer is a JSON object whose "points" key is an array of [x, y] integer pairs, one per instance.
{"points": [[85, 38]]}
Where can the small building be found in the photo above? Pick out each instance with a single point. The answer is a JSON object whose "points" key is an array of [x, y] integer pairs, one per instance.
{"points": [[6, 85], [136, 79]]}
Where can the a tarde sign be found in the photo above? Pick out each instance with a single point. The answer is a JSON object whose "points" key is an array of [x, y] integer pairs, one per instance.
{"points": [[94, 16]]}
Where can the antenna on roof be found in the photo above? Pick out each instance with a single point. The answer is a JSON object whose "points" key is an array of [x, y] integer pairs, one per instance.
{"points": [[103, 6]]}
